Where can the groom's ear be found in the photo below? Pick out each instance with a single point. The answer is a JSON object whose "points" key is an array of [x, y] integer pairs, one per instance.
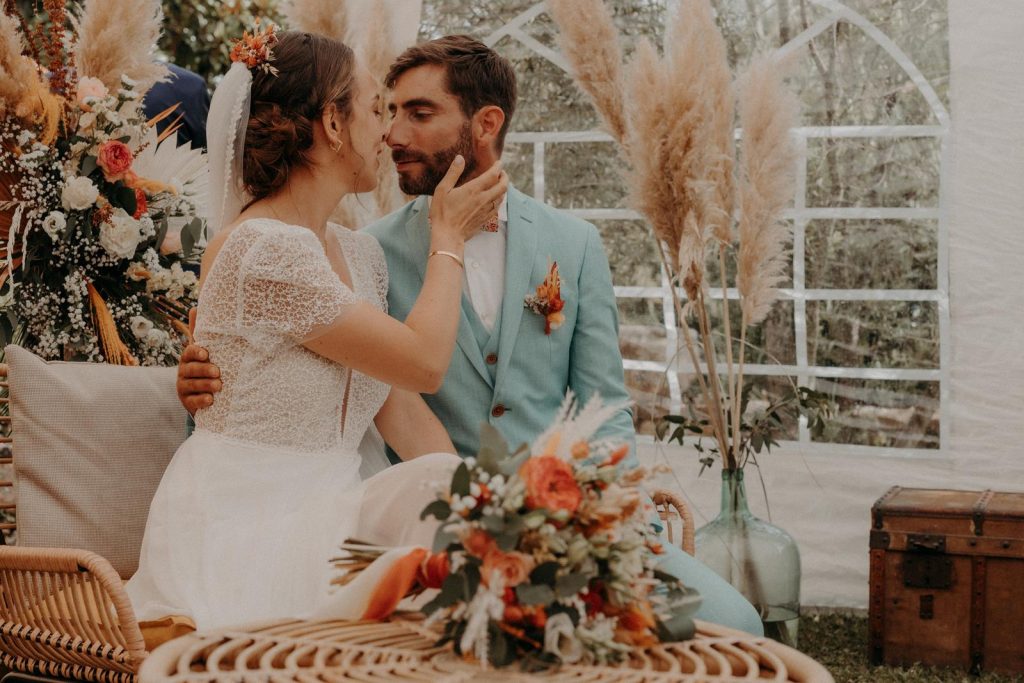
{"points": [[487, 123]]}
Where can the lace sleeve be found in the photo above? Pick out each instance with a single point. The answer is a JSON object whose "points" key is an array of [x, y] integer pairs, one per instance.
{"points": [[379, 265], [289, 287]]}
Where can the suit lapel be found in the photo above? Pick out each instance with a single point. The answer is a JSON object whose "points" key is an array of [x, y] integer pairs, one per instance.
{"points": [[520, 253], [419, 240]]}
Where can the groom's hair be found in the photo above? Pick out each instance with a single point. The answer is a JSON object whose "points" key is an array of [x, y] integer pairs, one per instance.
{"points": [[476, 75]]}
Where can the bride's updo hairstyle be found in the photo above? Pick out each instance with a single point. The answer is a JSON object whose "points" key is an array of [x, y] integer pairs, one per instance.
{"points": [[312, 72]]}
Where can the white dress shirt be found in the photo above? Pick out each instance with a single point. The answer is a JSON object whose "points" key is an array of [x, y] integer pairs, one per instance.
{"points": [[485, 269]]}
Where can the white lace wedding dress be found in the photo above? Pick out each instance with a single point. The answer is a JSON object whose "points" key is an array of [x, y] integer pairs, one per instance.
{"points": [[255, 503]]}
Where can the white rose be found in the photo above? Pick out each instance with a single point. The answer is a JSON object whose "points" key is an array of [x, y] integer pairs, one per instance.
{"points": [[79, 193], [560, 639], [120, 235], [54, 225], [157, 337], [141, 326]]}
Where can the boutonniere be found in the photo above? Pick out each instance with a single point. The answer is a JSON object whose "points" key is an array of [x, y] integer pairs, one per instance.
{"points": [[548, 300]]}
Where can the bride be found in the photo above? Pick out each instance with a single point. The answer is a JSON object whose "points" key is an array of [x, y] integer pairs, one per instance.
{"points": [[292, 310]]}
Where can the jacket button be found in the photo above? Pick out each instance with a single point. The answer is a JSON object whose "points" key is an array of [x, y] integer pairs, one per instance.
{"points": [[498, 410], [492, 358]]}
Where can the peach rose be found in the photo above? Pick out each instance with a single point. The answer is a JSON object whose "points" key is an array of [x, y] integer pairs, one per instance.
{"points": [[115, 159], [478, 543], [514, 567], [90, 87], [550, 484]]}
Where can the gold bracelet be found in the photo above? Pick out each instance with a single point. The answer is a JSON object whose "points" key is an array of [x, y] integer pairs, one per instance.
{"points": [[449, 254]]}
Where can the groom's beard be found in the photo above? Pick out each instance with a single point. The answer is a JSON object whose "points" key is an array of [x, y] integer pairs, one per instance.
{"points": [[435, 166]]}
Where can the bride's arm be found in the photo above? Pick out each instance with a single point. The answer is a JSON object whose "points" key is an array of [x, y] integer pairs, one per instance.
{"points": [[410, 427], [415, 354]]}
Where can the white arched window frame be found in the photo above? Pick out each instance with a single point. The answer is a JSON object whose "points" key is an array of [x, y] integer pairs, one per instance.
{"points": [[800, 215]]}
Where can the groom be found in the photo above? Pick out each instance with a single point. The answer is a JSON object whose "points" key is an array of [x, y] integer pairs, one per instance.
{"points": [[512, 367]]}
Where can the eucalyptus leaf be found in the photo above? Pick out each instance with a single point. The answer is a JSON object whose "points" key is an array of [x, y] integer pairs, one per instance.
{"points": [[438, 509], [442, 539], [545, 573], [570, 584], [88, 165], [460, 480], [535, 595]]}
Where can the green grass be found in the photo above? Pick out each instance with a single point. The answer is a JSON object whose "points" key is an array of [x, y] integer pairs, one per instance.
{"points": [[840, 643]]}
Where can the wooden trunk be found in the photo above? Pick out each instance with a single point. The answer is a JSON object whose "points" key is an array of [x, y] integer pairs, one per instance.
{"points": [[947, 579]]}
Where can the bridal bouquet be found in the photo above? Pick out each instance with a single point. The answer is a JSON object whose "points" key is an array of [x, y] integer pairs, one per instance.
{"points": [[90, 195], [546, 555]]}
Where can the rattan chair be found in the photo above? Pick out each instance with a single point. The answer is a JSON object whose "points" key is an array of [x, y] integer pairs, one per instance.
{"points": [[63, 612]]}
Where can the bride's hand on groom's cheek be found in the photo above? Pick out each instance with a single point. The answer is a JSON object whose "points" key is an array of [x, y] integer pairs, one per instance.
{"points": [[461, 210], [198, 379]]}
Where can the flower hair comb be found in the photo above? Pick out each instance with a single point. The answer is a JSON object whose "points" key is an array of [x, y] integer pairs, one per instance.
{"points": [[255, 49]]}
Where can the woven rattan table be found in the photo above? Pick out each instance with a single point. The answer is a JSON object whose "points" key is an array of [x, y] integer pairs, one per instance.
{"points": [[403, 650]]}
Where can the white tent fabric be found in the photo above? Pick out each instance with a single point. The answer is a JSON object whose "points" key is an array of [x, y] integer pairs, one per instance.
{"points": [[825, 500]]}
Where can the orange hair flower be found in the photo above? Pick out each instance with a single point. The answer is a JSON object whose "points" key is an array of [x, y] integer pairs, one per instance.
{"points": [[255, 49]]}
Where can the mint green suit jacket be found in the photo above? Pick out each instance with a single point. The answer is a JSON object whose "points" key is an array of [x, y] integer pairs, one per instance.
{"points": [[520, 390], [515, 378]]}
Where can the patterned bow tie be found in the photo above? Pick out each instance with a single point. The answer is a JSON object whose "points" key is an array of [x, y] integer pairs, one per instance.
{"points": [[491, 225]]}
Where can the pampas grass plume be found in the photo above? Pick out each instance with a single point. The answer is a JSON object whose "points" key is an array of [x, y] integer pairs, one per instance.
{"points": [[16, 71], [104, 51], [326, 17], [589, 39], [767, 113]]}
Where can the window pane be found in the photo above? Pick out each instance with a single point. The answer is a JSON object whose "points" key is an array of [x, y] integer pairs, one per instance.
{"points": [[518, 161], [875, 172], [883, 413], [632, 253], [642, 333], [843, 254], [873, 334], [584, 175]]}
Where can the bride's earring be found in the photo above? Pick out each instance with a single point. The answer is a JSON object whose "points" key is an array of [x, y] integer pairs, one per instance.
{"points": [[336, 148]]}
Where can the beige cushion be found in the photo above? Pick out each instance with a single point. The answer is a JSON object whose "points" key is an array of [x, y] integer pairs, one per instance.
{"points": [[91, 443]]}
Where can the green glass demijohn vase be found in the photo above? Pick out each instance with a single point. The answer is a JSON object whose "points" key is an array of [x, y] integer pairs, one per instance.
{"points": [[759, 559]]}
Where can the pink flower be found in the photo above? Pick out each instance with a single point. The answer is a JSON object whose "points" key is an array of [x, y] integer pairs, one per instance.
{"points": [[115, 159]]}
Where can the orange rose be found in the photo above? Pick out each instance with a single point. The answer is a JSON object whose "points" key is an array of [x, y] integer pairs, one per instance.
{"points": [[115, 159], [478, 543], [550, 484], [514, 567], [434, 570]]}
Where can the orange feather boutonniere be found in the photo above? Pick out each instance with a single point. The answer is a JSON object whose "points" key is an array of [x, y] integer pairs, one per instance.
{"points": [[548, 300]]}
